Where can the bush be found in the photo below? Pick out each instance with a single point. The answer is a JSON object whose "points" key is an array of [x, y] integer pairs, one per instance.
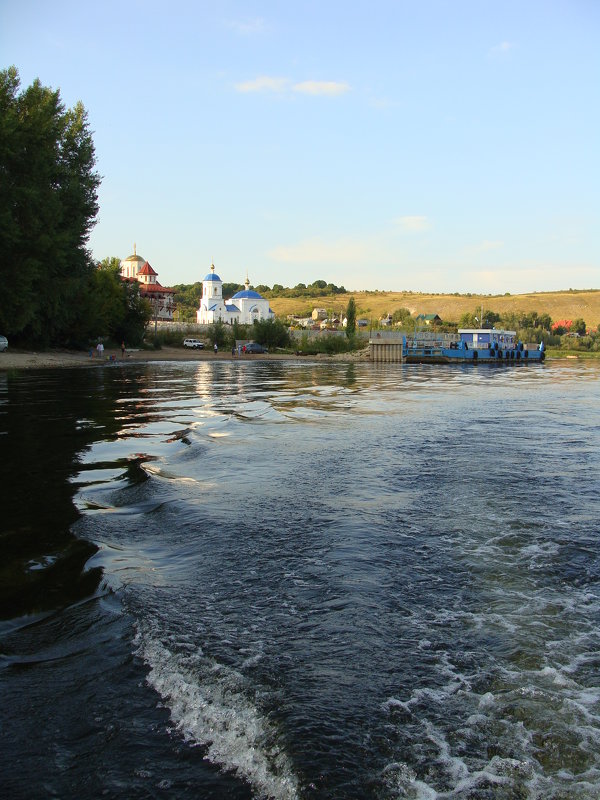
{"points": [[328, 345], [271, 333]]}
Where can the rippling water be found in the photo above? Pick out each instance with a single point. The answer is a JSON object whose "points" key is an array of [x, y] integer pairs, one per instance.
{"points": [[292, 580]]}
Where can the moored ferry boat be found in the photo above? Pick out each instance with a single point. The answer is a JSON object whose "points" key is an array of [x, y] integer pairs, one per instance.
{"points": [[468, 346], [472, 345]]}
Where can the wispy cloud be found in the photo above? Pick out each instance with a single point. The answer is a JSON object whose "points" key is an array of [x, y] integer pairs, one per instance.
{"points": [[413, 224], [343, 251], [264, 83], [322, 87], [501, 49], [247, 27]]}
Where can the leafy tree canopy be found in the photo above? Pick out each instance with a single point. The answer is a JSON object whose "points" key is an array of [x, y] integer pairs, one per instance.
{"points": [[401, 315], [271, 333], [48, 205]]}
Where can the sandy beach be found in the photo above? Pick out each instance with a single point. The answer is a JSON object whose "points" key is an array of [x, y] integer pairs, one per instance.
{"points": [[52, 359]]}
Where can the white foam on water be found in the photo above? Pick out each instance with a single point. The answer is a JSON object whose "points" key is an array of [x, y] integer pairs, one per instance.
{"points": [[209, 708], [535, 719], [401, 780]]}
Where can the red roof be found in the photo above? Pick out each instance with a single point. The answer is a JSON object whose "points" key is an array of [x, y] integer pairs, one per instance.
{"points": [[155, 287], [562, 323], [147, 270]]}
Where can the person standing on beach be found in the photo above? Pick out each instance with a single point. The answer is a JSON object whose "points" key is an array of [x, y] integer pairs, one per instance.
{"points": [[123, 349], [216, 349], [100, 349]]}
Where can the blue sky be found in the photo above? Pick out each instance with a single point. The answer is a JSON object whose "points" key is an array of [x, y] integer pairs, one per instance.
{"points": [[430, 146]]}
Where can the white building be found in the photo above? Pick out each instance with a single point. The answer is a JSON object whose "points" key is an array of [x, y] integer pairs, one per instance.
{"points": [[160, 297], [244, 307]]}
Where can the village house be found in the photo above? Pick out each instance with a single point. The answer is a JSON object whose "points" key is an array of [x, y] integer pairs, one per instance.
{"points": [[429, 319]]}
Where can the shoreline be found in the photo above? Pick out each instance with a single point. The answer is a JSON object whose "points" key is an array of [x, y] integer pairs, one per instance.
{"points": [[56, 359], [60, 359]]}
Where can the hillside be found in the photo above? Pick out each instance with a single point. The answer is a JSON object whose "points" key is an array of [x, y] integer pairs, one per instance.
{"points": [[374, 305]]}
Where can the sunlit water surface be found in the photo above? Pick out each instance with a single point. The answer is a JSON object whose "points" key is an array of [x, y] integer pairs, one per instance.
{"points": [[313, 581]]}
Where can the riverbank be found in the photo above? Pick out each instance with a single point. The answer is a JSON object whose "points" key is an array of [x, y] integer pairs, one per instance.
{"points": [[53, 359]]}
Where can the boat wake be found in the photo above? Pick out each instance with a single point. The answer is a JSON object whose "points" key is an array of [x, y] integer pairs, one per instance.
{"points": [[211, 706]]}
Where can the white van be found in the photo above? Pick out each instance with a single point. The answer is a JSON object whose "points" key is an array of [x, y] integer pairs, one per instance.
{"points": [[196, 343]]}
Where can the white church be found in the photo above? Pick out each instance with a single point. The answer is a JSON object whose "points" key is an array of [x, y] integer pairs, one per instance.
{"points": [[244, 307]]}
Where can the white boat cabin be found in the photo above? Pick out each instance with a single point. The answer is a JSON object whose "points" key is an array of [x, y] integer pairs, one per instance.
{"points": [[487, 339]]}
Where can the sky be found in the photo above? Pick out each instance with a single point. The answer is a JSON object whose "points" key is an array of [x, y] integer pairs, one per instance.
{"points": [[433, 146]]}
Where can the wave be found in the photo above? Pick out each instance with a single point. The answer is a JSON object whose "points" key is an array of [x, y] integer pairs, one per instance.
{"points": [[211, 706]]}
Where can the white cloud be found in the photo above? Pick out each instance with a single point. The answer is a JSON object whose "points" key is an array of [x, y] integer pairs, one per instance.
{"points": [[413, 224], [264, 83], [501, 49], [247, 27], [322, 87]]}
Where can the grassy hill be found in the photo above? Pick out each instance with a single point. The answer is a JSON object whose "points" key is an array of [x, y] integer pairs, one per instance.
{"points": [[374, 305]]}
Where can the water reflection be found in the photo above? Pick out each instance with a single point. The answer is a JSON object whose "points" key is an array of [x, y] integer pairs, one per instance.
{"points": [[49, 420]]}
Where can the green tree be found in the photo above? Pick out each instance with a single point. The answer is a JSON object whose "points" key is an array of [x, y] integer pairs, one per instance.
{"points": [[401, 315], [545, 322], [229, 289], [112, 307], [187, 300], [351, 318], [110, 263], [217, 333], [578, 326], [467, 320], [271, 333], [48, 205], [237, 333]]}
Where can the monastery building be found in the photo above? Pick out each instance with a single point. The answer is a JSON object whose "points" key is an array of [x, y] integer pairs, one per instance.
{"points": [[160, 297]]}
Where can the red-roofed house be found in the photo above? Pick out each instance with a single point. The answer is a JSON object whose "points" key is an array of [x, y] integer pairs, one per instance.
{"points": [[160, 297]]}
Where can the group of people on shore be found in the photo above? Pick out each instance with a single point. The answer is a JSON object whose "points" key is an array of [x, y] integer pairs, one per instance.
{"points": [[100, 350], [239, 350]]}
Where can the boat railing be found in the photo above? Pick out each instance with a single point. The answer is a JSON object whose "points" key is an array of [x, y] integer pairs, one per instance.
{"points": [[431, 340], [386, 335]]}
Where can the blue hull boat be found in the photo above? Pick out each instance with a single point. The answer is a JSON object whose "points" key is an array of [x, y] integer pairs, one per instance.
{"points": [[471, 346]]}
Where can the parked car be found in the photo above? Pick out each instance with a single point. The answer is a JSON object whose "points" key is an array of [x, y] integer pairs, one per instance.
{"points": [[254, 347], [3, 344], [195, 343]]}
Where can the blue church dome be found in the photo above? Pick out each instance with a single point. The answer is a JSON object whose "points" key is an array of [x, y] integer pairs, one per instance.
{"points": [[247, 293], [212, 276]]}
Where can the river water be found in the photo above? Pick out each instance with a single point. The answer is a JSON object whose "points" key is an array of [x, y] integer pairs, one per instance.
{"points": [[300, 580]]}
